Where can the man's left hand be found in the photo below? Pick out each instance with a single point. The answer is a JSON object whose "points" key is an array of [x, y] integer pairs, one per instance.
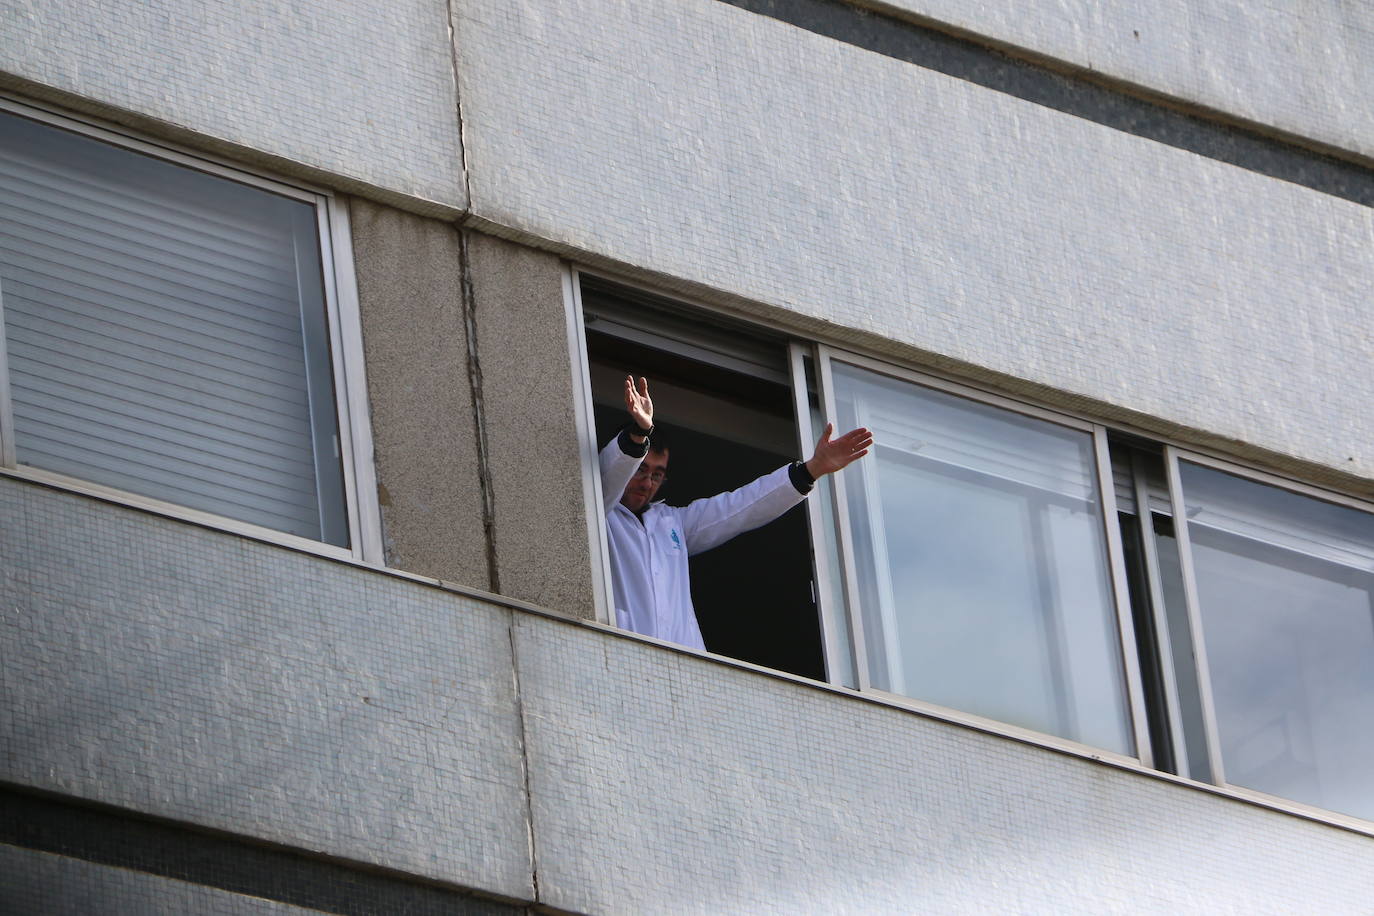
{"points": [[833, 454]]}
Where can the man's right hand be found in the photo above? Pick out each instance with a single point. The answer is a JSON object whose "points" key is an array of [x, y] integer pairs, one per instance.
{"points": [[833, 454], [640, 406]]}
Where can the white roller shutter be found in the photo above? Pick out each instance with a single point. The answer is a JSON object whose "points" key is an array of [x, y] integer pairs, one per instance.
{"points": [[153, 319]]}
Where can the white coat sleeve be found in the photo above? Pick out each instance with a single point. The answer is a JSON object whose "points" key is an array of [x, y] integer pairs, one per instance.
{"points": [[710, 522], [616, 470]]}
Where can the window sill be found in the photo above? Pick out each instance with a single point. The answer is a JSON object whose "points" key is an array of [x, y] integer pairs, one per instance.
{"points": [[179, 513]]}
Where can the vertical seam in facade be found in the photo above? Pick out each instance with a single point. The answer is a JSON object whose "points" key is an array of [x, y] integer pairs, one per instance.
{"points": [[470, 318], [458, 108], [479, 418], [524, 756], [483, 454], [489, 526]]}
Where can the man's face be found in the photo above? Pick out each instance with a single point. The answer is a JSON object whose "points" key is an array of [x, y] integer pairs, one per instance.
{"points": [[642, 488]]}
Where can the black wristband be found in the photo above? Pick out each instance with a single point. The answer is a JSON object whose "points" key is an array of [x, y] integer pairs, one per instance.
{"points": [[629, 446], [801, 477]]}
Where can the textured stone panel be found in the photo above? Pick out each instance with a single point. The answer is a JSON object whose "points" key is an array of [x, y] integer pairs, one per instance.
{"points": [[528, 390], [1288, 65], [115, 839], [410, 294], [206, 678], [362, 89], [713, 145], [666, 783], [39, 882]]}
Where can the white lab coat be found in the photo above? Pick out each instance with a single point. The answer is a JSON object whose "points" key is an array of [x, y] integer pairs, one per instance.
{"points": [[649, 571]]}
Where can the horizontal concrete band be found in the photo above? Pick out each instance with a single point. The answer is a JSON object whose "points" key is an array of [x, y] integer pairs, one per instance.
{"points": [[198, 677], [57, 885], [922, 215], [363, 90], [1081, 94], [165, 849], [1287, 65]]}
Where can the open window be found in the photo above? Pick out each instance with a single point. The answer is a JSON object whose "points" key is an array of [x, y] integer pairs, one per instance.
{"points": [[723, 400], [1011, 564]]}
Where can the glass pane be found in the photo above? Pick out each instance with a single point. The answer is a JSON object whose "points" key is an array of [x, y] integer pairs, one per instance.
{"points": [[166, 332], [981, 561], [1286, 593], [1181, 646]]}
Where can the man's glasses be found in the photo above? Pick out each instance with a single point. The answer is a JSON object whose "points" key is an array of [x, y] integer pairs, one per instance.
{"points": [[655, 477]]}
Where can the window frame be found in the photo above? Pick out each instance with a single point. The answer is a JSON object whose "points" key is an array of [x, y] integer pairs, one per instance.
{"points": [[803, 345], [583, 413], [584, 408], [1128, 654], [835, 642], [1159, 618], [343, 329], [1173, 456]]}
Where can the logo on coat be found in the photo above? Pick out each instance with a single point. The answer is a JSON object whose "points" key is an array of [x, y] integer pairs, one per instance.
{"points": [[677, 542]]}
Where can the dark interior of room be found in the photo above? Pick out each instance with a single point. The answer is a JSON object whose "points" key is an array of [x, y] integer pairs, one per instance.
{"points": [[753, 595]]}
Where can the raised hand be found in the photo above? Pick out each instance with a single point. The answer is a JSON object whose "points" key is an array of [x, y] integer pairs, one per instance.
{"points": [[833, 454], [639, 404]]}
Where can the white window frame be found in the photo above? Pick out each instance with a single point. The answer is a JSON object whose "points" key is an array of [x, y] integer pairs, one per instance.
{"points": [[1159, 617], [583, 412], [1173, 456], [830, 617], [1126, 644], [346, 354], [821, 353], [835, 644]]}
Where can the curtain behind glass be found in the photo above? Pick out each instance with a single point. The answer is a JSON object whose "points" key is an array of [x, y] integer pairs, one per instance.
{"points": [[982, 562]]}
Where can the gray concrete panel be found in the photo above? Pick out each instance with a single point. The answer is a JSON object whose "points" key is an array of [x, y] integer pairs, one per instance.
{"points": [[923, 216], [210, 679], [429, 485], [1078, 92], [1287, 65], [192, 675], [527, 390], [667, 783], [364, 91], [51, 885]]}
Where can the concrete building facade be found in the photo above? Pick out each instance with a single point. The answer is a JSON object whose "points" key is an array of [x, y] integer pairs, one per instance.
{"points": [[313, 316]]}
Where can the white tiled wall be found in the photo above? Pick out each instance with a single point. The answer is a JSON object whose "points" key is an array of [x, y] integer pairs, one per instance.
{"points": [[362, 89], [196, 676], [202, 677], [1294, 66], [709, 144]]}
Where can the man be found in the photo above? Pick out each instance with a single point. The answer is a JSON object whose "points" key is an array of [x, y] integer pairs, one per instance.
{"points": [[650, 541]]}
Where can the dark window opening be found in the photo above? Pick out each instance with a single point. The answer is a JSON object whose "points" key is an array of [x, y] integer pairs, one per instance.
{"points": [[724, 402], [1159, 609]]}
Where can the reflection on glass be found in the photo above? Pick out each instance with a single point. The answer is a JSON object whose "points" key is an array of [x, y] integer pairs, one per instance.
{"points": [[982, 563], [1181, 647], [1286, 595]]}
